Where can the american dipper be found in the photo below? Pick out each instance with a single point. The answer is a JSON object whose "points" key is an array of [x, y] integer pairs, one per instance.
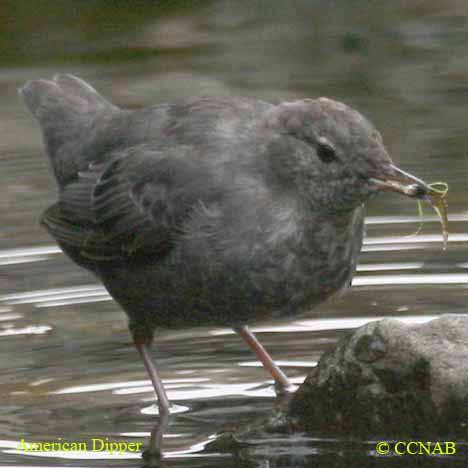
{"points": [[211, 211]]}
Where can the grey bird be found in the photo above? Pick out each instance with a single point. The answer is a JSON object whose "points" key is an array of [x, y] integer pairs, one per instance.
{"points": [[211, 211]]}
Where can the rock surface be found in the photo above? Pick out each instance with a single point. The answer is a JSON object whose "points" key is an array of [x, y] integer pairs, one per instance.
{"points": [[388, 378]]}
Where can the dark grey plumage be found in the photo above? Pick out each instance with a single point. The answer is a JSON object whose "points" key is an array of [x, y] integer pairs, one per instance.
{"points": [[206, 211], [209, 211]]}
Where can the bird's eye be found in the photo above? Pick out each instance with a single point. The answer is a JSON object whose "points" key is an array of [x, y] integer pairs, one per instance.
{"points": [[326, 151]]}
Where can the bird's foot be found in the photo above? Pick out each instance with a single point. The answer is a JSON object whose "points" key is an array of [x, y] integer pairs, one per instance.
{"points": [[284, 394], [282, 389], [152, 458]]}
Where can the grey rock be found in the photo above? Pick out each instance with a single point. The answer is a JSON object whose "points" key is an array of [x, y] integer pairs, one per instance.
{"points": [[389, 378]]}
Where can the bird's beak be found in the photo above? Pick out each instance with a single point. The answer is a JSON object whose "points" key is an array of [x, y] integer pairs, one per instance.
{"points": [[396, 180], [400, 181]]}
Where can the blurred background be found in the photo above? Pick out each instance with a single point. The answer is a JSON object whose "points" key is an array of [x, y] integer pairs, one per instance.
{"points": [[67, 365]]}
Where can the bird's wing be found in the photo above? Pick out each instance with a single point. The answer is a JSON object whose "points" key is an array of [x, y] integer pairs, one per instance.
{"points": [[134, 204]]}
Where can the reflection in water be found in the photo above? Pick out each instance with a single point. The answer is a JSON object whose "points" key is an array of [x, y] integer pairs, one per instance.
{"points": [[408, 240], [202, 385], [316, 325], [59, 296], [451, 278], [126, 386], [31, 330]]}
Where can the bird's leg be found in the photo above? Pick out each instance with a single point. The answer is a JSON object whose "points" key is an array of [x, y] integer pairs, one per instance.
{"points": [[164, 405], [282, 382], [154, 452]]}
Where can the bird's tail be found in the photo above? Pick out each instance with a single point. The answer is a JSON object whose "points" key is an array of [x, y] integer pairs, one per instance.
{"points": [[71, 114]]}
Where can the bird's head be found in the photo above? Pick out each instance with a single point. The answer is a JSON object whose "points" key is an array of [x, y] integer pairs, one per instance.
{"points": [[333, 156]]}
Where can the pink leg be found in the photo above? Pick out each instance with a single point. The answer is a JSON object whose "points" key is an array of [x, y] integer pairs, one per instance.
{"points": [[278, 375], [163, 401]]}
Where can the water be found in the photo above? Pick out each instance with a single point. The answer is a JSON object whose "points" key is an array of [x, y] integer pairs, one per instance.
{"points": [[67, 366]]}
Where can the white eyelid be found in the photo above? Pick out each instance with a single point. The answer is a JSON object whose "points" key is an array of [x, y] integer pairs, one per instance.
{"points": [[325, 142]]}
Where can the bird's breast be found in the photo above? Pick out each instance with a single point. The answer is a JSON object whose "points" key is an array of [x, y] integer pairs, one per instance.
{"points": [[239, 280], [326, 258]]}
